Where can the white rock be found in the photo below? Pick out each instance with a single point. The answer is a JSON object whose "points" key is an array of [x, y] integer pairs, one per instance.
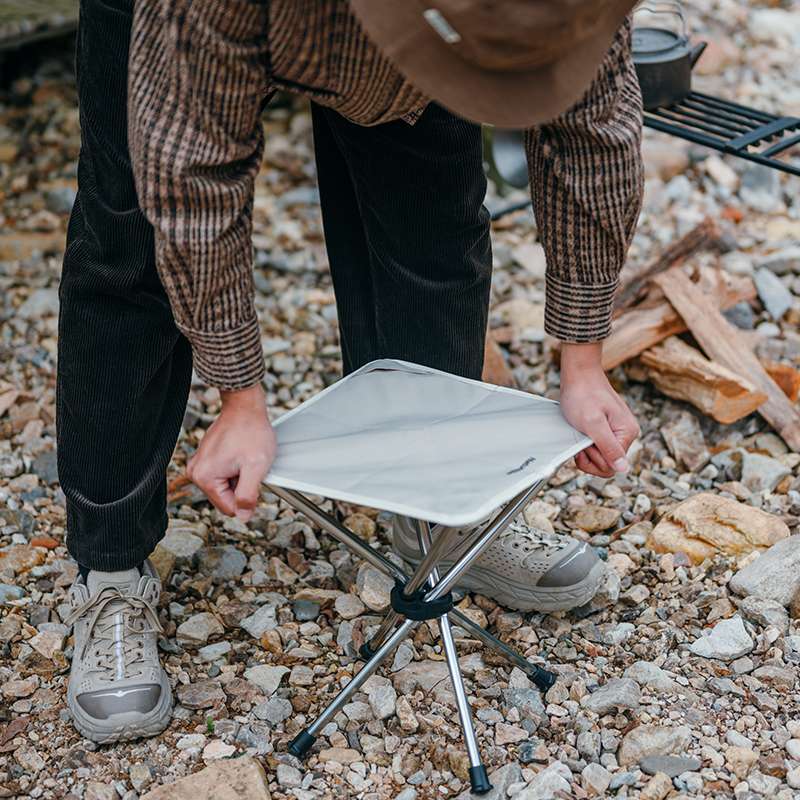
{"points": [[774, 575], [266, 677], [554, 778], [726, 641]]}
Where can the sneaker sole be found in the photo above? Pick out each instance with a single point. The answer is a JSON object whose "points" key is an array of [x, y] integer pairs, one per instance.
{"points": [[522, 597], [124, 727]]}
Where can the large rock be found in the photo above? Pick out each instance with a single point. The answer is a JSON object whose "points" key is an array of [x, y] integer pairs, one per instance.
{"points": [[707, 524], [653, 740], [234, 779], [727, 640], [774, 575]]}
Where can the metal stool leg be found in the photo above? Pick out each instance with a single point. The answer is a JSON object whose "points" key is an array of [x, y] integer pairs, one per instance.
{"points": [[477, 771]]}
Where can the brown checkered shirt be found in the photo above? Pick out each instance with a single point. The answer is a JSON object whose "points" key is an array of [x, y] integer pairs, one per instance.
{"points": [[200, 71]]}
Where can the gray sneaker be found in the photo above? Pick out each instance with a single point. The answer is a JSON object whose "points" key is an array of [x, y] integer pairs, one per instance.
{"points": [[524, 568], [117, 687]]}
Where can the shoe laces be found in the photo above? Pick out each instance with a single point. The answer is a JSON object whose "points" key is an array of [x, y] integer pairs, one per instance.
{"points": [[522, 536], [116, 629]]}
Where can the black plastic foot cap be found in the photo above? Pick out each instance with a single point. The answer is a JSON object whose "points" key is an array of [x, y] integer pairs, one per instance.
{"points": [[479, 780], [301, 743], [365, 651], [544, 679]]}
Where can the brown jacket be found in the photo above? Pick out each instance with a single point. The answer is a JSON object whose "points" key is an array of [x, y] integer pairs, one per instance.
{"points": [[200, 71]]}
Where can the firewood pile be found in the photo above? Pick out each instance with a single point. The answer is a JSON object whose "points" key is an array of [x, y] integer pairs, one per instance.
{"points": [[669, 330]]}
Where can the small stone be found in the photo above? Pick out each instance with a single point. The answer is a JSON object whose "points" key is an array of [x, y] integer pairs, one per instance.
{"points": [[685, 441], [288, 776], [20, 558], [305, 610], [9, 592], [48, 642], [657, 788], [198, 629], [203, 694], [777, 299], [233, 779], [339, 755], [549, 783], [191, 741], [100, 791], [348, 606], [213, 652], [40, 303], [260, 621], [594, 518], [669, 765], [221, 563], [275, 710], [141, 776], [782, 262], [266, 677], [20, 688], [374, 588], [618, 693], [217, 749], [509, 734], [793, 749], [765, 612], [595, 779], [652, 740], [406, 716], [528, 702], [762, 473], [774, 575], [382, 701], [727, 640], [301, 676], [740, 760], [182, 543]]}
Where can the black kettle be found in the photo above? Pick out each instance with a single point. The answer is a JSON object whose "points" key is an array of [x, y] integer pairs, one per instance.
{"points": [[662, 54]]}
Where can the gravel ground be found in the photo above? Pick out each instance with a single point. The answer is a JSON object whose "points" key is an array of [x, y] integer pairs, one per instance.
{"points": [[679, 679]]}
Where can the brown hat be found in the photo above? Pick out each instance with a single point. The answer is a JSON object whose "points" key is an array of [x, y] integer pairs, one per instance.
{"points": [[510, 63]]}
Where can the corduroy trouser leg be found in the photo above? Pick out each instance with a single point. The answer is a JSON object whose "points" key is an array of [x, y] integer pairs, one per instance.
{"points": [[124, 370], [407, 238], [408, 244]]}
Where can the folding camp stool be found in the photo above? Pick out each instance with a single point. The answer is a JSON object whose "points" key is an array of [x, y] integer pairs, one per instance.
{"points": [[438, 448]]}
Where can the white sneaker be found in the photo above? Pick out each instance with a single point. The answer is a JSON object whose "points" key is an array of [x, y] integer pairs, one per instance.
{"points": [[524, 568], [118, 689]]}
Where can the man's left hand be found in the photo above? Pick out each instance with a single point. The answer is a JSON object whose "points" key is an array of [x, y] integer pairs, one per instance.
{"points": [[589, 403]]}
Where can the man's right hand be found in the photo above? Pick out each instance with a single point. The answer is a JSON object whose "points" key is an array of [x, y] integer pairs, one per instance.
{"points": [[235, 454]]}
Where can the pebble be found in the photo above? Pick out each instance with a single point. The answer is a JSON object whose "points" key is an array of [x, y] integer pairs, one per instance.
{"points": [[653, 740], [382, 700], [726, 641], [774, 575], [595, 779], [374, 588], [618, 693], [288, 776], [222, 563], [275, 710], [669, 765], [217, 749], [260, 621], [198, 629], [553, 779], [349, 606], [266, 677]]}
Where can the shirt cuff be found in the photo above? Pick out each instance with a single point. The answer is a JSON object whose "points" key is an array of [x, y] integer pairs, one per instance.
{"points": [[228, 360], [579, 313]]}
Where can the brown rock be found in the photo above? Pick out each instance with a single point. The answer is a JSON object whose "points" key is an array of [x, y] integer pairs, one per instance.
{"points": [[594, 519], [234, 779], [339, 755], [163, 561], [706, 524], [21, 557]]}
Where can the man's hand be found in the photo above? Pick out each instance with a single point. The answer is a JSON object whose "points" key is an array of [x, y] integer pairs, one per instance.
{"points": [[235, 454], [590, 404]]}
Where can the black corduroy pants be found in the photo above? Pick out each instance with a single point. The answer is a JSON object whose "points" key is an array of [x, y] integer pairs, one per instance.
{"points": [[408, 245]]}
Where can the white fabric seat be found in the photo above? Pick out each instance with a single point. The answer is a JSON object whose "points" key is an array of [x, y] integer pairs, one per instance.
{"points": [[416, 441]]}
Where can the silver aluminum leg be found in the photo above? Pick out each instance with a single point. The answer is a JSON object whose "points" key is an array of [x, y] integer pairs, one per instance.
{"points": [[477, 771], [333, 527]]}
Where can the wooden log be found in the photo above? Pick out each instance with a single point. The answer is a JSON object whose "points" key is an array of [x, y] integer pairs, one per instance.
{"points": [[721, 342], [495, 369], [633, 286], [786, 376], [647, 324], [683, 373]]}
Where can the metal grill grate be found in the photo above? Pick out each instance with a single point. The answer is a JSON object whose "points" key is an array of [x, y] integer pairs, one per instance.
{"points": [[730, 128]]}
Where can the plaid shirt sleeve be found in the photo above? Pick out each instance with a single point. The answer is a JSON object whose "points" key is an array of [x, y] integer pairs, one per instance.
{"points": [[586, 181], [196, 85]]}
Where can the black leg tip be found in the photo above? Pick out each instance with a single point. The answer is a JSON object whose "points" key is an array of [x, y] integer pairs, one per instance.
{"points": [[365, 651], [544, 679], [301, 743], [479, 780]]}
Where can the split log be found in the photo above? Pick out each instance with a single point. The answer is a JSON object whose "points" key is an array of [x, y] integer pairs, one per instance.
{"points": [[786, 376], [495, 369], [721, 342], [633, 287], [639, 328], [683, 373]]}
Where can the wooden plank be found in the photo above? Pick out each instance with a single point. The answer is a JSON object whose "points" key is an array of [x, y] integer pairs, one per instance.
{"points": [[647, 324], [721, 342], [682, 372], [633, 286]]}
